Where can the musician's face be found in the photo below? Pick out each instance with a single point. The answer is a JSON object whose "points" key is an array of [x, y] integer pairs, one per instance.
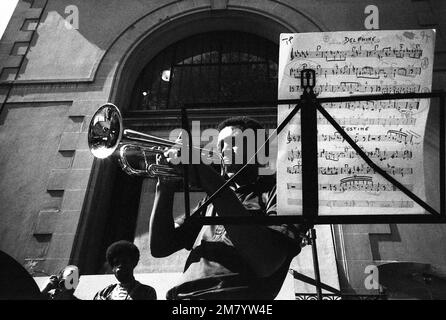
{"points": [[123, 268], [228, 148], [235, 154]]}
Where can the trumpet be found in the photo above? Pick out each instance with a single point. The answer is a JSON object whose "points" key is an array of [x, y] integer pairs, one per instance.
{"points": [[107, 136]]}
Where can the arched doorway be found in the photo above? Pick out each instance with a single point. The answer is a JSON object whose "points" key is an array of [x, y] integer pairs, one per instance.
{"points": [[217, 66]]}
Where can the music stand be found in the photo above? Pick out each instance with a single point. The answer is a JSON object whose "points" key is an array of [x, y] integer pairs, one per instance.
{"points": [[309, 104]]}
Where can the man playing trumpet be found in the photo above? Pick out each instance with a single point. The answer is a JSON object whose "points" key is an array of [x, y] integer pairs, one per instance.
{"points": [[230, 261]]}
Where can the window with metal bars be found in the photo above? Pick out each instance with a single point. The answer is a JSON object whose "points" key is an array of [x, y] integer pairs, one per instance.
{"points": [[224, 66]]}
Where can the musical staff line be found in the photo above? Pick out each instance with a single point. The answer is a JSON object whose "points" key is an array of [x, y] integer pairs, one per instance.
{"points": [[358, 169], [356, 87], [357, 203], [296, 154], [374, 105], [390, 121], [363, 72], [358, 52], [342, 187], [391, 136]]}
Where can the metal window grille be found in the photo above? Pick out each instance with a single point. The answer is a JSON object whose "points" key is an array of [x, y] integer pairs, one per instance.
{"points": [[212, 67]]}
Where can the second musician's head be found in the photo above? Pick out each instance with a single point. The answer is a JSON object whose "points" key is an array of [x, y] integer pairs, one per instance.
{"points": [[122, 256]]}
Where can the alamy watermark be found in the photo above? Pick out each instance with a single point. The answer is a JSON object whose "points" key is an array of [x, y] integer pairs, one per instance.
{"points": [[241, 147], [371, 281], [70, 278], [371, 21], [72, 17]]}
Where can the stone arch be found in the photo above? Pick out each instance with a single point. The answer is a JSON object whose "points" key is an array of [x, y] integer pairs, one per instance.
{"points": [[127, 55], [150, 34]]}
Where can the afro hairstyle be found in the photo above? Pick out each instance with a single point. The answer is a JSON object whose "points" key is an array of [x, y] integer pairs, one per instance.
{"points": [[122, 248], [241, 122]]}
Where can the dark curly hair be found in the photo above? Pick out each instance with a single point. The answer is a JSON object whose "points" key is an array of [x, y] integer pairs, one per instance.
{"points": [[241, 122], [122, 248]]}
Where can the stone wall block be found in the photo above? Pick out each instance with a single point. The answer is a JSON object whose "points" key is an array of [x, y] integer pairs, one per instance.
{"points": [[68, 221], [46, 222], [84, 108], [74, 124], [39, 3], [60, 246], [57, 179], [10, 61], [33, 13], [82, 143], [30, 24], [72, 200], [19, 48], [63, 160], [68, 141], [6, 48], [219, 4], [83, 159], [8, 74], [78, 179]]}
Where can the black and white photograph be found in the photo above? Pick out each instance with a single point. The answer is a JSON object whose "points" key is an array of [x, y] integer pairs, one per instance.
{"points": [[236, 151]]}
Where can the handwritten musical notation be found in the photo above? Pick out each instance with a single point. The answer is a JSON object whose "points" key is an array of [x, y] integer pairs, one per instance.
{"points": [[407, 137], [356, 87], [365, 72], [381, 155], [356, 204], [390, 132], [358, 52], [393, 121], [346, 169], [354, 186], [381, 105]]}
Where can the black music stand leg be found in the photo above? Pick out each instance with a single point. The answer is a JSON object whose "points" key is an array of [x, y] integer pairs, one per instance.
{"points": [[317, 275], [310, 169], [185, 167], [310, 194]]}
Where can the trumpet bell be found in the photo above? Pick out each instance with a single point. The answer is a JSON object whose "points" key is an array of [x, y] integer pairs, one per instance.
{"points": [[137, 152], [105, 131]]}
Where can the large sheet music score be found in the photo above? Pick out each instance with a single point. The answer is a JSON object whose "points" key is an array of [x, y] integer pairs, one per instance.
{"points": [[390, 132]]}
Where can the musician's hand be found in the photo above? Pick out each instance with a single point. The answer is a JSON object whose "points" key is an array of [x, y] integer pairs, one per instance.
{"points": [[172, 157], [166, 181], [52, 284], [172, 154]]}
